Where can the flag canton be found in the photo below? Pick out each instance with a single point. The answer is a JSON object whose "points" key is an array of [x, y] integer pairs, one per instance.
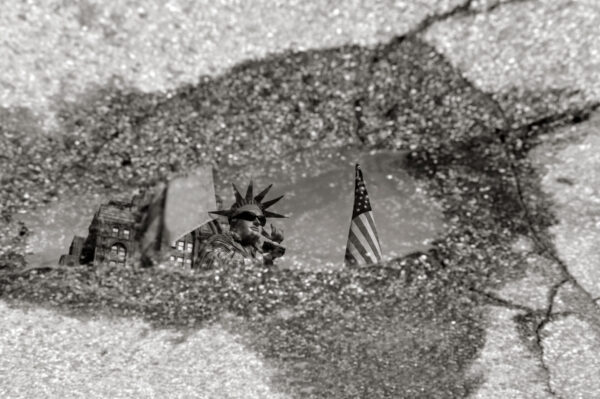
{"points": [[361, 198]]}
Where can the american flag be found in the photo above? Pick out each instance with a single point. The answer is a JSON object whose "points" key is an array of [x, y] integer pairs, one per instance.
{"points": [[363, 247]]}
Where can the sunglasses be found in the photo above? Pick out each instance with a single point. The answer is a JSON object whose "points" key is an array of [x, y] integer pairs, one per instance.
{"points": [[251, 217]]}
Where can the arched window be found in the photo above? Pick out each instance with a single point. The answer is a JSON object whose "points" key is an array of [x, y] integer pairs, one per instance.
{"points": [[118, 252]]}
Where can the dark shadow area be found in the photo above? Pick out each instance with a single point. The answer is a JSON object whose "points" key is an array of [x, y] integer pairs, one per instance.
{"points": [[409, 328]]}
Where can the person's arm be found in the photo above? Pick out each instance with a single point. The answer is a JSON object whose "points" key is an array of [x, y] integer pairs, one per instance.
{"points": [[271, 245]]}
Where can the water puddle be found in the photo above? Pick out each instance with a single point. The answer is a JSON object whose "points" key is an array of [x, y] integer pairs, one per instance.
{"points": [[319, 190], [52, 228], [319, 195]]}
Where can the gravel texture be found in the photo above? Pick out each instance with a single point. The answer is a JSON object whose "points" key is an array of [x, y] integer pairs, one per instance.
{"points": [[532, 290], [102, 99], [372, 332], [506, 366], [254, 120], [570, 351], [45, 354], [55, 50], [569, 162], [517, 49]]}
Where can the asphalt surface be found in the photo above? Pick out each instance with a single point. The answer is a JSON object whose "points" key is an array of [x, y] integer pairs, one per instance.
{"points": [[493, 105]]}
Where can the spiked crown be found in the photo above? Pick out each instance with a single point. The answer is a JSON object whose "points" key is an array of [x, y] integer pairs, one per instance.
{"points": [[249, 202]]}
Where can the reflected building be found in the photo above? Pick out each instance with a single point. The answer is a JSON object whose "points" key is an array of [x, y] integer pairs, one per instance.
{"points": [[112, 235]]}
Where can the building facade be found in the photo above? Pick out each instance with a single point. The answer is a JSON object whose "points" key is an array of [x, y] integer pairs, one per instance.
{"points": [[112, 234]]}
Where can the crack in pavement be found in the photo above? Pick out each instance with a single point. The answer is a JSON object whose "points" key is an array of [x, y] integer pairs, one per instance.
{"points": [[539, 344], [552, 295], [463, 10], [531, 314], [547, 122], [503, 3], [460, 10], [498, 301], [508, 135], [539, 341], [555, 120], [572, 116], [552, 121], [511, 138]]}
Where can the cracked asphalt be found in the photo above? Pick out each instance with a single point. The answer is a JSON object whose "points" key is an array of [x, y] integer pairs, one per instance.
{"points": [[493, 104]]}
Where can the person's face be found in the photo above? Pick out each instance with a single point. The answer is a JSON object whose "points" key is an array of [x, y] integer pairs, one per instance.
{"points": [[249, 227]]}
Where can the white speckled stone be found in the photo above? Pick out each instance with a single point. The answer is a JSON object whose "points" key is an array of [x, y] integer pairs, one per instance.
{"points": [[533, 45], [47, 355], [571, 352], [56, 49], [570, 175], [532, 290], [508, 368]]}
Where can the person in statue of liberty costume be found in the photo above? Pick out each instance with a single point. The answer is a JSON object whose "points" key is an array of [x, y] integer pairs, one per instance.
{"points": [[246, 241]]}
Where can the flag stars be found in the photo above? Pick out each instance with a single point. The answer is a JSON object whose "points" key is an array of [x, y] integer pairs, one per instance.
{"points": [[362, 249]]}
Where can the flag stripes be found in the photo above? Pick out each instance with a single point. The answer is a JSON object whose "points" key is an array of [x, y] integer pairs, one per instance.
{"points": [[364, 255], [353, 255], [373, 230], [367, 245], [363, 227], [363, 247]]}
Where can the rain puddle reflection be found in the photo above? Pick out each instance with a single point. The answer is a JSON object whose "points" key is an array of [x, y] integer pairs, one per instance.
{"points": [[319, 190], [52, 228], [319, 195]]}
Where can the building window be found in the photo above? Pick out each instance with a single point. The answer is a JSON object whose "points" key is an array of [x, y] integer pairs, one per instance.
{"points": [[180, 245], [188, 247], [119, 252], [188, 262], [112, 263], [179, 261], [126, 233], [115, 231], [172, 258], [174, 244]]}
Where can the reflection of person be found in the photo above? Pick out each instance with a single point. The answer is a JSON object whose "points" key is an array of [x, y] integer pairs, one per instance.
{"points": [[246, 241]]}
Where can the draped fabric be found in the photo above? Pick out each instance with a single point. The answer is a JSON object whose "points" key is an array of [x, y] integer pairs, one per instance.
{"points": [[221, 249], [363, 247]]}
